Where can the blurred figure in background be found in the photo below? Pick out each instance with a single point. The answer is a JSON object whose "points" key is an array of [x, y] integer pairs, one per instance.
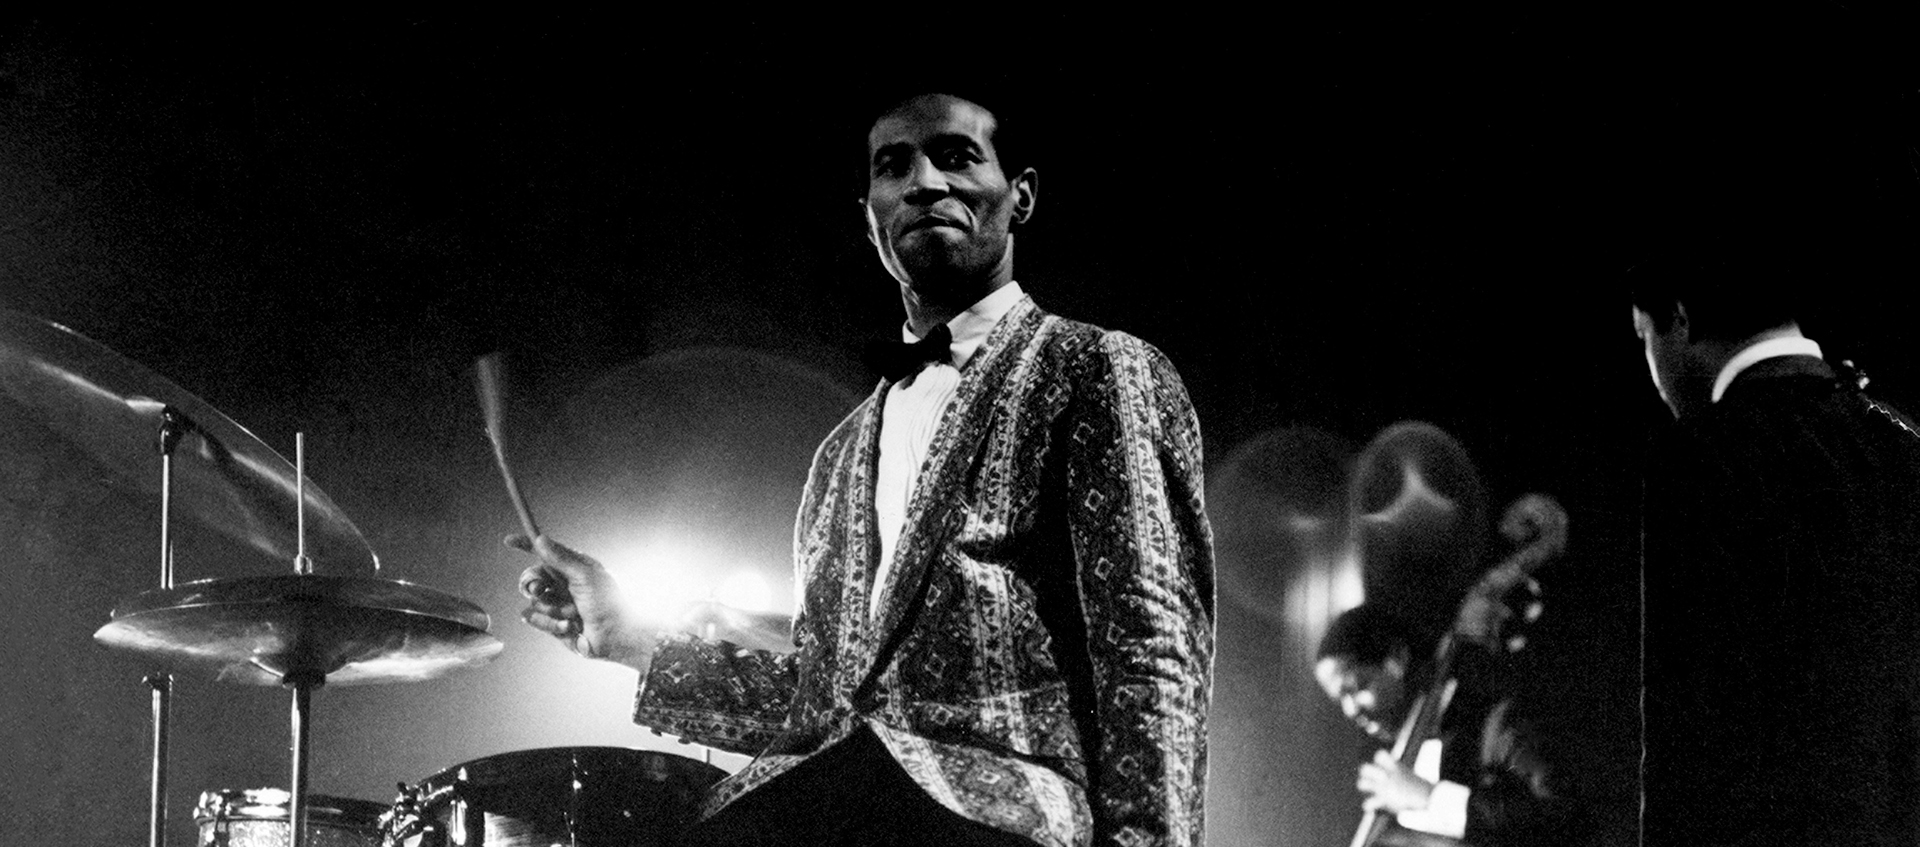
{"points": [[1484, 779]]}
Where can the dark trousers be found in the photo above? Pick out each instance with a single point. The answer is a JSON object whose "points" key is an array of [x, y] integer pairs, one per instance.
{"points": [[852, 795]]}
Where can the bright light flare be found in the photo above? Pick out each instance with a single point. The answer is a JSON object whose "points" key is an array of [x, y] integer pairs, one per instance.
{"points": [[663, 576], [1328, 583], [746, 590]]}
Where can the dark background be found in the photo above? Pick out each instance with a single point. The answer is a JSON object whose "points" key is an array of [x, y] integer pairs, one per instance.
{"points": [[1329, 225]]}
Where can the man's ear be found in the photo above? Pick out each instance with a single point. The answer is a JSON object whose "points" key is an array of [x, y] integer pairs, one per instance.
{"points": [[873, 226], [1026, 192], [1681, 329]]}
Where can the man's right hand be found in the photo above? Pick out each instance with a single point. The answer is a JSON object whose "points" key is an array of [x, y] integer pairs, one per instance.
{"points": [[1392, 786], [573, 598]]}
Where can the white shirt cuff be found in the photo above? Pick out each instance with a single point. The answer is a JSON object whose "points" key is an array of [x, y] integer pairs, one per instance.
{"points": [[1445, 814]]}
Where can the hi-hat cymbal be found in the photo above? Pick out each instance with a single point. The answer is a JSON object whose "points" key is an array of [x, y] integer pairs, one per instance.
{"points": [[224, 478], [261, 630]]}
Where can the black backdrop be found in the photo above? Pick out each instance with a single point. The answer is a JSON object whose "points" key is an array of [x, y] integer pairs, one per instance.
{"points": [[1329, 223]]}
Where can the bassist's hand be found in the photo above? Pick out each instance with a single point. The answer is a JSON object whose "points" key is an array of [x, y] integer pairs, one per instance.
{"points": [[1392, 787]]}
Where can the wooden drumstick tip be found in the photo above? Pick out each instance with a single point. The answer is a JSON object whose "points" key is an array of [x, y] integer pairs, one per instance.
{"points": [[488, 383]]}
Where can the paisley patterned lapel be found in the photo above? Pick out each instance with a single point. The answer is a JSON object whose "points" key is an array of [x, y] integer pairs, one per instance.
{"points": [[863, 535], [955, 450]]}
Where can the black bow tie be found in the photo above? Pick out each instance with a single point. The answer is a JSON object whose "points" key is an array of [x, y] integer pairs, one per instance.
{"points": [[897, 360]]}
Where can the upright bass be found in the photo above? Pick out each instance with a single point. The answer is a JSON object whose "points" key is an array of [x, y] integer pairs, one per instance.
{"points": [[1538, 525]]}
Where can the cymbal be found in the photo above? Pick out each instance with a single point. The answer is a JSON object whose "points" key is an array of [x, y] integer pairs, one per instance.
{"points": [[260, 630], [224, 478]]}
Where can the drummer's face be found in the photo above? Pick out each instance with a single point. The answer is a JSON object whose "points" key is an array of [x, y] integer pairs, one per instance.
{"points": [[939, 205], [1368, 694]]}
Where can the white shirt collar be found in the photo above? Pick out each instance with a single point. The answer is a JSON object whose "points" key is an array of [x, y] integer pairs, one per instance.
{"points": [[971, 327], [1792, 345]]}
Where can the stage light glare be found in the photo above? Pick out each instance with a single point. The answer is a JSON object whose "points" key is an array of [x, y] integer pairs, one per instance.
{"points": [[1348, 588], [747, 590], [1301, 523], [1326, 585], [661, 577]]}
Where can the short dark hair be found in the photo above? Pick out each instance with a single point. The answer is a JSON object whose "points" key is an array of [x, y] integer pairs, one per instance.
{"points": [[1366, 635], [1736, 281], [1720, 305]]}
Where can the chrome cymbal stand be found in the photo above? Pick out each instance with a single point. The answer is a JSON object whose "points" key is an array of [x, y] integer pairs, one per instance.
{"points": [[302, 682], [162, 686], [173, 426]]}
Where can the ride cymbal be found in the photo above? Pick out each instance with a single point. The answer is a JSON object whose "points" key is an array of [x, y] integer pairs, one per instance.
{"points": [[224, 478]]}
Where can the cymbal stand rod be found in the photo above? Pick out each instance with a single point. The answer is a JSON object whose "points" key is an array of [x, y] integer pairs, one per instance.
{"points": [[166, 520], [302, 709], [173, 426], [301, 564], [162, 685]]}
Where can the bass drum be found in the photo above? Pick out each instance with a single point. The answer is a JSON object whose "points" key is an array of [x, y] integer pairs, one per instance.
{"points": [[572, 796], [257, 817]]}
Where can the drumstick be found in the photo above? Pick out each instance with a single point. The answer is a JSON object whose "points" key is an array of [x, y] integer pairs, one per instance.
{"points": [[488, 381]]}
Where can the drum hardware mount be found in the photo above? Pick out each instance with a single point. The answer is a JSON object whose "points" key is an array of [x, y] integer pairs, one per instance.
{"points": [[302, 630], [408, 817], [174, 426]]}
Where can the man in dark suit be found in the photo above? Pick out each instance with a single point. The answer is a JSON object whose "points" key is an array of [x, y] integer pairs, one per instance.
{"points": [[1781, 533], [1005, 633]]}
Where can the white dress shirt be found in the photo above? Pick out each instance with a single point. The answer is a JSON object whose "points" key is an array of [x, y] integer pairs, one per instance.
{"points": [[912, 413], [1446, 811]]}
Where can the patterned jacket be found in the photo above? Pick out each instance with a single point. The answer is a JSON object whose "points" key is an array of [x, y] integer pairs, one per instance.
{"points": [[1043, 652]]}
